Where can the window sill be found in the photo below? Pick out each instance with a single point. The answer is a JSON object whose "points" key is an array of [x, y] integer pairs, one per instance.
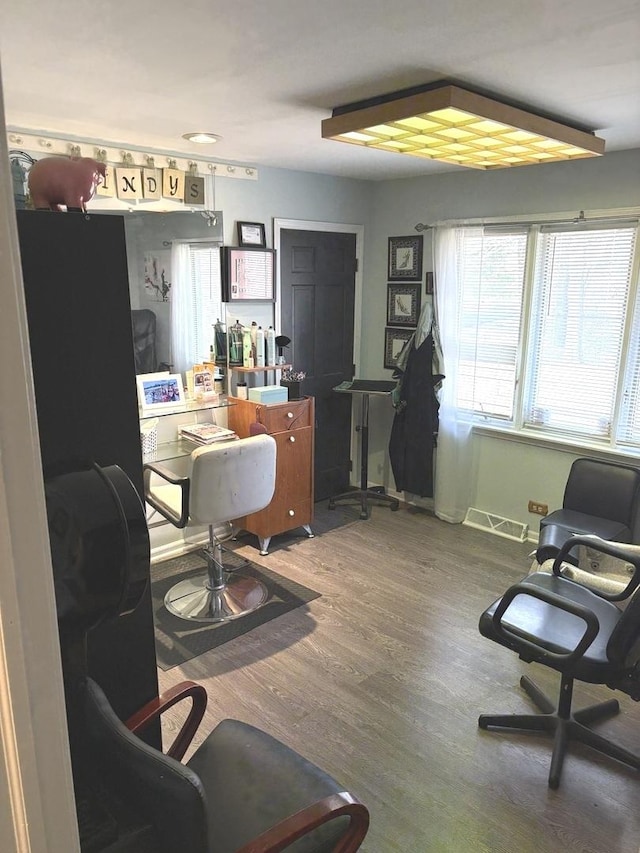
{"points": [[567, 444]]}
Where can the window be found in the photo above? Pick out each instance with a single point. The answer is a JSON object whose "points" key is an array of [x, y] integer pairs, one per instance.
{"points": [[196, 302], [206, 296], [556, 306]]}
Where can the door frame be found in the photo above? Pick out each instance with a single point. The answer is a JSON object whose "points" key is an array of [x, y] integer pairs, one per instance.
{"points": [[336, 227]]}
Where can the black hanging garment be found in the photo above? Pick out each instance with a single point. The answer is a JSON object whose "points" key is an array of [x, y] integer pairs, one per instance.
{"points": [[415, 425]]}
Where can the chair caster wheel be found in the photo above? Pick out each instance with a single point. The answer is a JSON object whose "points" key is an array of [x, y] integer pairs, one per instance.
{"points": [[331, 505], [364, 515]]}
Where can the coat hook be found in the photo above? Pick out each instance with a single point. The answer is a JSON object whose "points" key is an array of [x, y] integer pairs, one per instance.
{"points": [[150, 161], [127, 158], [172, 163], [74, 150]]}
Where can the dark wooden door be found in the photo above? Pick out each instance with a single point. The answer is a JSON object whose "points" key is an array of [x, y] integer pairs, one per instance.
{"points": [[317, 300]]}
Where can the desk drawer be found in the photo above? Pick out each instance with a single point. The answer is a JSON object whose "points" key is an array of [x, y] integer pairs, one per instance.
{"points": [[285, 416]]}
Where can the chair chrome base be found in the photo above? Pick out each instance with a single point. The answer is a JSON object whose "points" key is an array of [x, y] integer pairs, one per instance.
{"points": [[563, 725], [195, 599]]}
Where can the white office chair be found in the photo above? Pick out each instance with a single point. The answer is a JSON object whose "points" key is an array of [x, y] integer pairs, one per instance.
{"points": [[229, 479]]}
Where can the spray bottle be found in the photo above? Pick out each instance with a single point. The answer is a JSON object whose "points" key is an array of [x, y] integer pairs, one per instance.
{"points": [[270, 337], [260, 347]]}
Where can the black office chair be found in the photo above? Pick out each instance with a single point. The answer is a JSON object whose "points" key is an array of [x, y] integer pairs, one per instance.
{"points": [[581, 633], [600, 498], [242, 791]]}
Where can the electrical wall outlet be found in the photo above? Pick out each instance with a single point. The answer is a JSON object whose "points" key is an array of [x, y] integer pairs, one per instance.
{"points": [[538, 508]]}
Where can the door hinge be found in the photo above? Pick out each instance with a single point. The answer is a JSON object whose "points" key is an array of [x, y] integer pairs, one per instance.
{"points": [[351, 465], [357, 265]]}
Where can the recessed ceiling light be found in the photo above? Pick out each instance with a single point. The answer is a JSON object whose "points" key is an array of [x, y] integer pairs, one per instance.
{"points": [[202, 137]]}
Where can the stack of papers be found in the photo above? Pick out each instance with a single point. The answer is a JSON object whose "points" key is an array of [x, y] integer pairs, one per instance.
{"points": [[206, 433]]}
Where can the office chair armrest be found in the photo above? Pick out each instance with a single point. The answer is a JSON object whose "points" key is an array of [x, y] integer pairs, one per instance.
{"points": [[174, 479], [524, 588], [153, 709], [279, 837], [619, 550]]}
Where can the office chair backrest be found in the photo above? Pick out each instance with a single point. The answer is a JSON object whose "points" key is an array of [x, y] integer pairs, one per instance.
{"points": [[603, 489], [156, 788], [231, 479]]}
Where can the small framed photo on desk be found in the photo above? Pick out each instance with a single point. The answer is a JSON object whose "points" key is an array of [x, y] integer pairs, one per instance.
{"points": [[160, 392]]}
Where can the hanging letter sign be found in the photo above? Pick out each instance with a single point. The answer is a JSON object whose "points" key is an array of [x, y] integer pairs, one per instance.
{"points": [[128, 183], [193, 190], [152, 183], [106, 187], [173, 184]]}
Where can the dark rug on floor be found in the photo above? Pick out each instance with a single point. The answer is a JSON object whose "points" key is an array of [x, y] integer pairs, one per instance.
{"points": [[178, 640]]}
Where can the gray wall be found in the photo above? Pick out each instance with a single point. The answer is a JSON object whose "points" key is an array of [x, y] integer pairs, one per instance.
{"points": [[505, 474]]}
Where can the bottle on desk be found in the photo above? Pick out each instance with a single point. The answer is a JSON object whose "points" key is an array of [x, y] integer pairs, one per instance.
{"points": [[260, 347], [270, 338]]}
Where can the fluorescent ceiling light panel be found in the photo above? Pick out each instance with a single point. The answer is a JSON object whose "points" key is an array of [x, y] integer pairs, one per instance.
{"points": [[456, 126]]}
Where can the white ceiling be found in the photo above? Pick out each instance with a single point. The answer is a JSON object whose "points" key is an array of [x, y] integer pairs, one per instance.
{"points": [[263, 75]]}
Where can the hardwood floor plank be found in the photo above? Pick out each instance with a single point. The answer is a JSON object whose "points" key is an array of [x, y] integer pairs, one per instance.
{"points": [[381, 680]]}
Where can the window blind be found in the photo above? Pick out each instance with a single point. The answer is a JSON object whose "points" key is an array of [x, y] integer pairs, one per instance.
{"points": [[206, 296], [581, 286]]}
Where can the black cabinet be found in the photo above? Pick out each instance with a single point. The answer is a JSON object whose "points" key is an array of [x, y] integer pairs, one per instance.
{"points": [[77, 296]]}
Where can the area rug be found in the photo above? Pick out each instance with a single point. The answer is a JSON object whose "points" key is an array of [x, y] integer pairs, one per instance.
{"points": [[178, 640]]}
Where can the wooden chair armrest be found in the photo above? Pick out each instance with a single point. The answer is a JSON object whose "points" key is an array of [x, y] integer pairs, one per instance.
{"points": [[279, 837], [153, 709]]}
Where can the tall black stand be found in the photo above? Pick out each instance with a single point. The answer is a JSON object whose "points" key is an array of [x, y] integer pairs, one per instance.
{"points": [[365, 494]]}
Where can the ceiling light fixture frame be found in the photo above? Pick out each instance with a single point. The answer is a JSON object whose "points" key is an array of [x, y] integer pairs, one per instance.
{"points": [[461, 127]]}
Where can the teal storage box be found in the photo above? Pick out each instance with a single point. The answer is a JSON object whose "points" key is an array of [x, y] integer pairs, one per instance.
{"points": [[269, 394]]}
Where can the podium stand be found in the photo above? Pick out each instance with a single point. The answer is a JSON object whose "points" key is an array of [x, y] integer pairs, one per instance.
{"points": [[365, 495]]}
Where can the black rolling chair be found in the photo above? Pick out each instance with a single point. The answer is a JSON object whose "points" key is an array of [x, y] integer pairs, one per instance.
{"points": [[584, 635], [242, 791], [600, 498]]}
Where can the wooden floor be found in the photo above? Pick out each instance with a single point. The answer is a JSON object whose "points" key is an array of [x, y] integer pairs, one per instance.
{"points": [[380, 681]]}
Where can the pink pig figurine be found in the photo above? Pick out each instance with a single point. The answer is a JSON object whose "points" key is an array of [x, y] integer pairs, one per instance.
{"points": [[68, 181]]}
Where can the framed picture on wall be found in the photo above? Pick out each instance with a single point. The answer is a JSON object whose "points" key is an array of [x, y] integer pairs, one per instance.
{"points": [[403, 304], [394, 343], [251, 234], [405, 258]]}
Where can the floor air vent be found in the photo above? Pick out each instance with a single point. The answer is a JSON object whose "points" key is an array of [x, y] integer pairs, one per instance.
{"points": [[506, 527]]}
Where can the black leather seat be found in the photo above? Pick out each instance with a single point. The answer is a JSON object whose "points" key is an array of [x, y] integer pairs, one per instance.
{"points": [[584, 635], [242, 791], [600, 498]]}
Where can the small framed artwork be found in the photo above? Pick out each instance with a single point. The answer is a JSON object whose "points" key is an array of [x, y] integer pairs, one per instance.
{"points": [[159, 392], [251, 234], [403, 304], [405, 258], [394, 343], [248, 274], [429, 284]]}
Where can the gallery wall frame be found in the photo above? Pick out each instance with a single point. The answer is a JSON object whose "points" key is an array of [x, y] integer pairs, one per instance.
{"points": [[394, 342], [405, 258], [251, 234], [403, 304]]}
